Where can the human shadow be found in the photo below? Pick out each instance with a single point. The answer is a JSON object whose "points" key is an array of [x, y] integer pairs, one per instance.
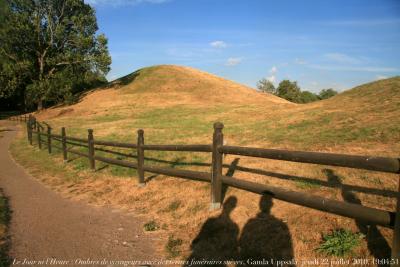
{"points": [[265, 239], [377, 244], [216, 243], [230, 172]]}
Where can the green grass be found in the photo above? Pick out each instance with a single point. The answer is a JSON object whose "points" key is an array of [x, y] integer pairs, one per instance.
{"points": [[340, 243], [172, 246], [151, 226], [307, 184], [196, 208], [173, 206], [5, 215], [107, 118]]}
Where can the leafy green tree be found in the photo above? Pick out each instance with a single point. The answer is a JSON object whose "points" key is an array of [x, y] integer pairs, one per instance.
{"points": [[289, 91], [307, 97], [266, 86], [48, 48], [327, 93]]}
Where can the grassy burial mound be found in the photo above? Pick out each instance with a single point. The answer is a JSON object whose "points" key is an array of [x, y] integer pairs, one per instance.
{"points": [[178, 105]]}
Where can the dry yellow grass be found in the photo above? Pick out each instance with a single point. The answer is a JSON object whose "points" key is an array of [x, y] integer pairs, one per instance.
{"points": [[178, 105]]}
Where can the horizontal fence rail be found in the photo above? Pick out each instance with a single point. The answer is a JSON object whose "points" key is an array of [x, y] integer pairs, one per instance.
{"points": [[217, 179], [76, 139], [193, 175], [73, 151], [341, 160], [117, 162], [375, 216], [114, 144], [191, 148]]}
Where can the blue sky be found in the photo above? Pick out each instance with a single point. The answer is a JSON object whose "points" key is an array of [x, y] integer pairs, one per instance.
{"points": [[319, 44]]}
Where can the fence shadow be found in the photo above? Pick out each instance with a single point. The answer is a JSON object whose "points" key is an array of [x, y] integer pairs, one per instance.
{"points": [[377, 244], [373, 191], [233, 167], [7, 130], [217, 239], [265, 237]]}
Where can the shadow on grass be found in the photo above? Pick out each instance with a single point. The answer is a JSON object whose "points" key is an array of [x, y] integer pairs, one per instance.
{"points": [[217, 240], [264, 238], [377, 244], [6, 130], [373, 191], [95, 86], [232, 167], [5, 217], [126, 79]]}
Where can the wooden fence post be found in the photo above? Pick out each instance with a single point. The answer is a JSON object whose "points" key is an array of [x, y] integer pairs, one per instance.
{"points": [[396, 234], [216, 171], [140, 157], [33, 123], [38, 138], [64, 144], [91, 149], [49, 139], [28, 132]]}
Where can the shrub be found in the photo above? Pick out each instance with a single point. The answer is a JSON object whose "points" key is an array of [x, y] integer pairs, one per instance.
{"points": [[151, 226], [340, 242], [173, 245]]}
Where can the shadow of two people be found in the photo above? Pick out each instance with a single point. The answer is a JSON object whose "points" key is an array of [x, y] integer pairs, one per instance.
{"points": [[263, 241]]}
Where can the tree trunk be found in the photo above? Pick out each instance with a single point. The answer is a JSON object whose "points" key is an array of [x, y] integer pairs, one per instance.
{"points": [[40, 105]]}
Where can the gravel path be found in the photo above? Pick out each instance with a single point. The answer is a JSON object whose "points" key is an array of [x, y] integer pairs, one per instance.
{"points": [[44, 225]]}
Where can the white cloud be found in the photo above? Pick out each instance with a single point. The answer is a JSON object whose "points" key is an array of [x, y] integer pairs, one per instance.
{"points": [[123, 2], [365, 23], [272, 72], [342, 58], [272, 78], [381, 77], [300, 61], [218, 44], [233, 61], [347, 68]]}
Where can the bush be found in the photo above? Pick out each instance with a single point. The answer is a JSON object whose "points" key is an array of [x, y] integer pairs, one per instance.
{"points": [[151, 226], [173, 245], [307, 97], [327, 93], [340, 242]]}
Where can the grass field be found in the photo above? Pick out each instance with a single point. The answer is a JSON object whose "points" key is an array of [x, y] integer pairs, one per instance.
{"points": [[178, 105], [4, 236]]}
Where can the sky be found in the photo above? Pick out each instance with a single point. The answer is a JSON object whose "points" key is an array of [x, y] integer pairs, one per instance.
{"points": [[319, 44]]}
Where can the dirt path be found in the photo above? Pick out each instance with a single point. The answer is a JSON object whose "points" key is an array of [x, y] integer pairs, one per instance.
{"points": [[44, 225]]}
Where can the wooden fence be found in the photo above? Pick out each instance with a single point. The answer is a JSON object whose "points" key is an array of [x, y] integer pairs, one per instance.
{"points": [[369, 215]]}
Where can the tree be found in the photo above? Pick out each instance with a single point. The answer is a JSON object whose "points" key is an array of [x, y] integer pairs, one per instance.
{"points": [[266, 86], [327, 93], [289, 91], [48, 48], [307, 97]]}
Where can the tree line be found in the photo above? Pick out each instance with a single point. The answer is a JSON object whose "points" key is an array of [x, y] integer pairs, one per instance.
{"points": [[289, 90], [49, 52]]}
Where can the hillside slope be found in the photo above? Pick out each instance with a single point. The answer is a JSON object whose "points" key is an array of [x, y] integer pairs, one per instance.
{"points": [[166, 86], [169, 99], [172, 108]]}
